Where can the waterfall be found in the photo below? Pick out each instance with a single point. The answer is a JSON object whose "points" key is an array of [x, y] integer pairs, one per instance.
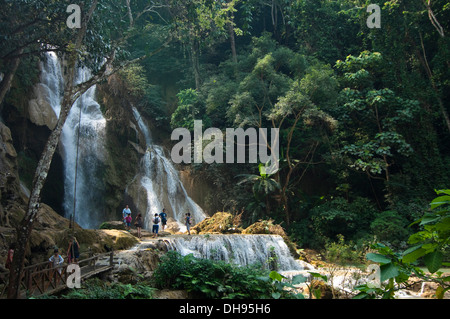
{"points": [[52, 80], [91, 149], [264, 250], [162, 184]]}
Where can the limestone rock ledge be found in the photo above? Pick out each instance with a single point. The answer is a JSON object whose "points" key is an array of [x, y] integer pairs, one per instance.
{"points": [[52, 230]]}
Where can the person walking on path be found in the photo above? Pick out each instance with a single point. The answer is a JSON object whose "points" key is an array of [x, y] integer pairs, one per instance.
{"points": [[138, 224], [188, 222], [155, 226], [163, 216], [73, 253]]}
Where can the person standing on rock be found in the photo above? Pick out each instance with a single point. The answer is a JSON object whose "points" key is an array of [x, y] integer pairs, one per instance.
{"points": [[163, 216], [188, 222], [73, 253], [125, 212], [138, 224], [128, 220], [155, 226]]}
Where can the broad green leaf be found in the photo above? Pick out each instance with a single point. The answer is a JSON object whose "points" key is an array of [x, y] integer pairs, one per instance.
{"points": [[443, 225], [276, 295], [443, 191], [378, 258], [433, 261], [388, 271], [413, 254], [361, 295], [441, 200], [419, 237], [317, 275], [429, 218], [276, 276], [298, 279]]}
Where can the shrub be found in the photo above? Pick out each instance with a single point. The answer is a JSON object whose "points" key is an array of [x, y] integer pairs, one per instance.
{"points": [[340, 217], [391, 228], [211, 279], [341, 253], [98, 289]]}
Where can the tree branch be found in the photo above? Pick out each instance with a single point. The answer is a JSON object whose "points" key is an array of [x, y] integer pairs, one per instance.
{"points": [[434, 20]]}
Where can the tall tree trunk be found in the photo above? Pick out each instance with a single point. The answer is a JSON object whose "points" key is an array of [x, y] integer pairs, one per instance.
{"points": [[195, 62], [232, 43], [424, 61], [5, 85]]}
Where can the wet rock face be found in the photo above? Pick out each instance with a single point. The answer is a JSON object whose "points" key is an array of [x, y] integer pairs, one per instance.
{"points": [[9, 178], [40, 111]]}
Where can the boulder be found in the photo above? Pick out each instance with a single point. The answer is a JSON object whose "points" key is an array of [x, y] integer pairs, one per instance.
{"points": [[219, 223], [268, 227], [116, 239], [265, 227], [114, 224], [172, 226], [133, 265], [40, 112]]}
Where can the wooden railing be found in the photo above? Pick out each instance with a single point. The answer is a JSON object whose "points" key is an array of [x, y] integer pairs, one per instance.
{"points": [[43, 278]]}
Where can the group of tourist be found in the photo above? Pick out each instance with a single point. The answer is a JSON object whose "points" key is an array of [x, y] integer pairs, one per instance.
{"points": [[73, 253], [162, 217]]}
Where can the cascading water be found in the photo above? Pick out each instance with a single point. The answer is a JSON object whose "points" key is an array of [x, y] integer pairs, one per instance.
{"points": [[162, 184], [269, 251], [87, 164]]}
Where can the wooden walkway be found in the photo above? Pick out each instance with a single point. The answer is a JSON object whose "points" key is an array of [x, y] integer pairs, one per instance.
{"points": [[42, 278]]}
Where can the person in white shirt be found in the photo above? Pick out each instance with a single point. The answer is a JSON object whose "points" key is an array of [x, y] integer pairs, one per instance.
{"points": [[56, 260], [125, 212]]}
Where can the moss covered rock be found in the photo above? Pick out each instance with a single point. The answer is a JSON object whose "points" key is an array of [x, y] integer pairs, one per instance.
{"points": [[268, 227], [113, 225], [219, 223]]}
